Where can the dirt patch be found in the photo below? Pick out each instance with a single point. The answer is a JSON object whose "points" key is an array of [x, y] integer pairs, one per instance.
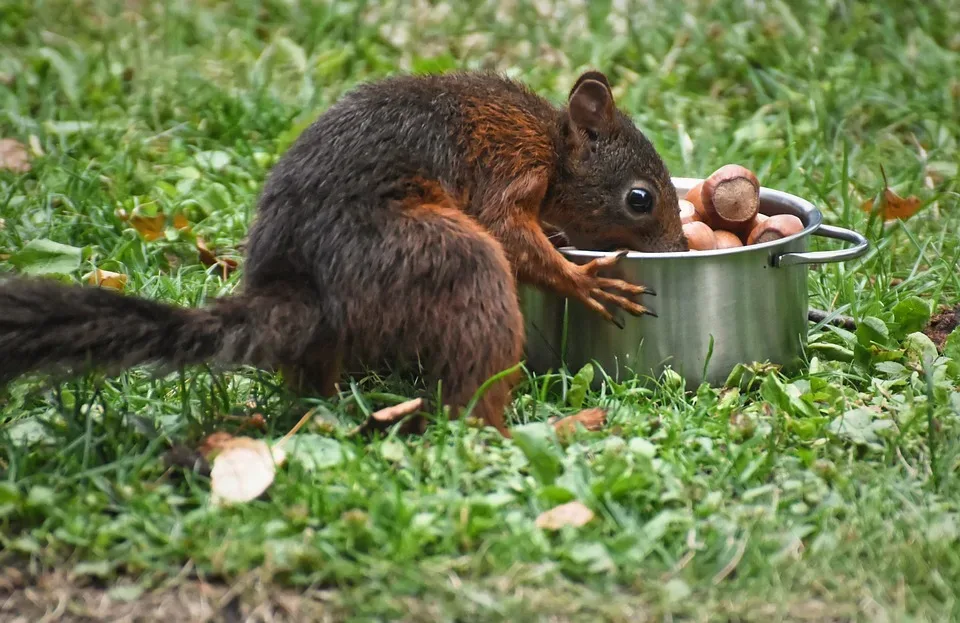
{"points": [[942, 325], [57, 597]]}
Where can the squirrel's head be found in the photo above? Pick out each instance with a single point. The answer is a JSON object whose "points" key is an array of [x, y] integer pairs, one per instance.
{"points": [[614, 191]]}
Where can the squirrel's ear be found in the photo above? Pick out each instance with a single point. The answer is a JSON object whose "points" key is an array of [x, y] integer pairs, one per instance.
{"points": [[591, 103], [590, 75]]}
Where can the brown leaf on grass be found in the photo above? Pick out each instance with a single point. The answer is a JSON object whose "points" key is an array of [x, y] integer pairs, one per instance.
{"points": [[14, 156], [388, 415], [892, 206], [256, 421], [180, 222], [569, 514], [106, 279], [150, 227], [208, 258], [397, 412], [591, 419], [942, 325]]}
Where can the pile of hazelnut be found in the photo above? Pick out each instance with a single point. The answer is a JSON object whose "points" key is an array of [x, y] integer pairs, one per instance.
{"points": [[723, 212]]}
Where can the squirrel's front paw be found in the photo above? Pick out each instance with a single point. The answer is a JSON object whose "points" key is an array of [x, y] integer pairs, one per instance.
{"points": [[592, 290]]}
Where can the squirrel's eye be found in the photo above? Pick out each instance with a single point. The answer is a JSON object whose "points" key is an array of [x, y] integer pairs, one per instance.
{"points": [[640, 200]]}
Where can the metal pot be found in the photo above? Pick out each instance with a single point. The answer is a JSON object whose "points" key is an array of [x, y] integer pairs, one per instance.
{"points": [[715, 309]]}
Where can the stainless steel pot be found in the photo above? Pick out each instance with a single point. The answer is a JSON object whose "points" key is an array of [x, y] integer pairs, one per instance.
{"points": [[715, 308]]}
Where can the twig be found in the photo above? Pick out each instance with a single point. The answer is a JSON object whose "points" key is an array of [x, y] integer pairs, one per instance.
{"points": [[730, 566], [838, 320], [306, 418]]}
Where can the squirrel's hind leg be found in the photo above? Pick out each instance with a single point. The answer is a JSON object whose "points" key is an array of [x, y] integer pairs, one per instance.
{"points": [[461, 314]]}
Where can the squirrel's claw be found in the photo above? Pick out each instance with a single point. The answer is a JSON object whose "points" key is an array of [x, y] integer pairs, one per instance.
{"points": [[594, 291], [624, 286], [593, 266], [622, 302]]}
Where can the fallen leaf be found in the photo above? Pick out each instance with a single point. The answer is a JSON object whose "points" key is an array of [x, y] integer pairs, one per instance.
{"points": [[106, 279], [243, 469], [208, 258], [397, 412], [388, 415], [255, 421], [180, 222], [14, 156], [892, 205], [591, 419], [569, 514], [150, 227]]}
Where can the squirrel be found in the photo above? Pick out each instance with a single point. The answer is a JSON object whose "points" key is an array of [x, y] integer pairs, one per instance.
{"points": [[395, 229]]}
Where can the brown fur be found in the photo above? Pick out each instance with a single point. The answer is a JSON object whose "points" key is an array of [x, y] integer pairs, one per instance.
{"points": [[393, 231]]}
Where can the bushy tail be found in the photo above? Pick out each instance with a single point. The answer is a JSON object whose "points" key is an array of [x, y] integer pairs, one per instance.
{"points": [[47, 326]]}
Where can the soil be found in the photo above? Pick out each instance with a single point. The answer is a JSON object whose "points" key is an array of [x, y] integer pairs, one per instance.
{"points": [[942, 325], [56, 596]]}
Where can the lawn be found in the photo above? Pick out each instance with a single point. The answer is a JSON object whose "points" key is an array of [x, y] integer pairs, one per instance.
{"points": [[833, 494]]}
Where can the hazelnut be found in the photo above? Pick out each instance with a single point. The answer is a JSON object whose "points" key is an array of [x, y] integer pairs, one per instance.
{"points": [[753, 224], [731, 197], [699, 236], [693, 196], [775, 228], [727, 240], [688, 213]]}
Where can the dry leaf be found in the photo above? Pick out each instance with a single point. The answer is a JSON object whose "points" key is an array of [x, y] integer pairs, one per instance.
{"points": [[180, 222], [397, 412], [150, 227], [892, 205], [569, 514], [243, 469], [590, 419], [106, 279], [208, 259], [14, 156], [256, 421], [389, 415]]}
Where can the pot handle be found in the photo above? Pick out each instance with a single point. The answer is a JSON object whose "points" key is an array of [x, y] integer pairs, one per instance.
{"points": [[859, 248]]}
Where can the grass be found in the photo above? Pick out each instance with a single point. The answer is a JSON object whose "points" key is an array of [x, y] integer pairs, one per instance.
{"points": [[830, 495]]}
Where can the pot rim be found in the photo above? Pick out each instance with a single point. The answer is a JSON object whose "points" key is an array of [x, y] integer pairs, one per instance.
{"points": [[802, 208]]}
